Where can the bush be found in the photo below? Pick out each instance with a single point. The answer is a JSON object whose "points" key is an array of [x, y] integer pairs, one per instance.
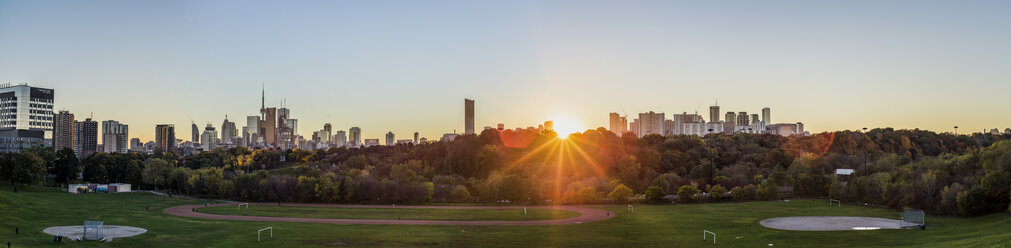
{"points": [[748, 192], [655, 193], [621, 193], [718, 192], [686, 193]]}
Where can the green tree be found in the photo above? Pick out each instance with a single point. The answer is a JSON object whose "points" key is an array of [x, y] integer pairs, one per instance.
{"points": [[156, 172], [621, 193], [718, 192], [687, 193], [767, 191], [655, 193], [66, 166]]}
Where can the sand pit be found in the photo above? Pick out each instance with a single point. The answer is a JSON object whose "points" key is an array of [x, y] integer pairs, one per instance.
{"points": [[109, 232], [829, 223]]}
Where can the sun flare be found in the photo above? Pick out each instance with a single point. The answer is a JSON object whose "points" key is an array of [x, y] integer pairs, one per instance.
{"points": [[565, 125]]}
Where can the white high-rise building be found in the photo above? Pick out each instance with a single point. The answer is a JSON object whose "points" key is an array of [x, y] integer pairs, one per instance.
{"points": [[390, 140], [114, 136], [209, 138], [767, 115], [26, 117], [619, 124], [340, 138], [649, 123]]}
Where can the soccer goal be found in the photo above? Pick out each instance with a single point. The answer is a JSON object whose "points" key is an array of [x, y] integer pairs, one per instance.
{"points": [[912, 218], [834, 201], [631, 209], [706, 233], [271, 229], [243, 204]]}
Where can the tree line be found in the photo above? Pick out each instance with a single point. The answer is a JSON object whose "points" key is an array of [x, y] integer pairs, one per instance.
{"points": [[938, 172]]}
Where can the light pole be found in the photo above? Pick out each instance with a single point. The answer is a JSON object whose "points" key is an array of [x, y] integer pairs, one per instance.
{"points": [[865, 156]]}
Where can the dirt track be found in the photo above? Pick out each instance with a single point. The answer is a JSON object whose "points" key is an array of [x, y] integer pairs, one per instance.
{"points": [[586, 215]]}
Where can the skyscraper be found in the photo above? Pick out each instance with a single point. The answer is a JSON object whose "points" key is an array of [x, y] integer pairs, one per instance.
{"points": [[210, 138], [730, 121], [63, 130], [115, 136], [195, 133], [355, 136], [26, 117], [340, 138], [270, 126], [714, 113], [618, 124], [228, 131], [252, 134], [468, 113], [650, 123], [767, 115], [390, 140], [86, 140], [742, 119], [754, 119], [165, 137], [415, 138], [328, 127]]}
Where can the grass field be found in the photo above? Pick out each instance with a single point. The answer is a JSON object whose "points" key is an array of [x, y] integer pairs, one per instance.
{"points": [[392, 213], [652, 226]]}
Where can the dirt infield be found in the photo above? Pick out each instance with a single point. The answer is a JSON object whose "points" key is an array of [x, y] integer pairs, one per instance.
{"points": [[109, 232], [586, 215], [829, 223]]}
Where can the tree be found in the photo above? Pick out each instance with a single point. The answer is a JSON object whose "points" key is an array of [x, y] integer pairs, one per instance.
{"points": [[156, 173], [621, 193], [655, 193], [767, 191], [27, 167], [687, 193], [718, 192], [748, 192], [66, 166]]}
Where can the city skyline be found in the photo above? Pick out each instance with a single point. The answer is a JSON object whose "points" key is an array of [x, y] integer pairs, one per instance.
{"points": [[163, 63]]}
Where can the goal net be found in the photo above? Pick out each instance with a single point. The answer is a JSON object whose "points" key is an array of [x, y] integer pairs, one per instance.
{"points": [[834, 201], [270, 229], [912, 218], [93, 230]]}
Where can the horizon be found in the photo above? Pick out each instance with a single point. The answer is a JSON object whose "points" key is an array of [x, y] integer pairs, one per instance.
{"points": [[405, 67]]}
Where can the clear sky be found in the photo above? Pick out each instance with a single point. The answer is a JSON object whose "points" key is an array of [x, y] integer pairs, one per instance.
{"points": [[406, 66]]}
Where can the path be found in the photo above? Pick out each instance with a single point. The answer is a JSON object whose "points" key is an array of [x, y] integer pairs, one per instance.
{"points": [[586, 215]]}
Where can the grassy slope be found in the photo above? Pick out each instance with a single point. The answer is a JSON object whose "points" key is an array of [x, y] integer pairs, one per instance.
{"points": [[393, 213], [651, 226]]}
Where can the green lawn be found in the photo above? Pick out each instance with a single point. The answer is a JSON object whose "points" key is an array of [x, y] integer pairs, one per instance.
{"points": [[392, 213], [652, 226]]}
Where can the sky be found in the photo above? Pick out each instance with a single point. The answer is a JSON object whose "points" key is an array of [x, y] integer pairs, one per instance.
{"points": [[406, 66]]}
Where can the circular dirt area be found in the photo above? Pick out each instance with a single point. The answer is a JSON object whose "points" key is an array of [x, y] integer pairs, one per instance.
{"points": [[829, 223], [109, 232]]}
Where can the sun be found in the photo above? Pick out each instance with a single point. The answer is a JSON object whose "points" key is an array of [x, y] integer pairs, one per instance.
{"points": [[565, 125]]}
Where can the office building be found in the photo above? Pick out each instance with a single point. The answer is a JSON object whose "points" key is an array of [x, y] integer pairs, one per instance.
{"points": [[390, 139], [63, 130], [340, 138], [742, 119], [252, 135], [415, 137], [269, 129], [327, 127], [114, 136], [755, 120], [86, 140], [355, 136], [766, 115], [210, 138], [228, 132], [195, 133], [26, 117], [714, 113], [371, 142], [731, 122], [468, 112], [136, 145], [165, 137]]}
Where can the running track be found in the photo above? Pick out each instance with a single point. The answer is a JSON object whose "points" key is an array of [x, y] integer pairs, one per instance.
{"points": [[586, 215]]}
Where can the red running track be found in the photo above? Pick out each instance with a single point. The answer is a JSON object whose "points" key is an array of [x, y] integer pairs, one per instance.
{"points": [[586, 215]]}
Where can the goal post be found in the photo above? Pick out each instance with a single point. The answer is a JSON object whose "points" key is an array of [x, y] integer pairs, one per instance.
{"points": [[243, 204], [912, 218], [706, 233], [837, 202], [271, 229]]}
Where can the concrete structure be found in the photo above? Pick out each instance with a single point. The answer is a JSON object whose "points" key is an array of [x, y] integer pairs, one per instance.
{"points": [[165, 137], [115, 136], [63, 130], [468, 119], [785, 129], [86, 140], [702, 129], [743, 119], [730, 121], [136, 145], [390, 139], [714, 113], [415, 137]]}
